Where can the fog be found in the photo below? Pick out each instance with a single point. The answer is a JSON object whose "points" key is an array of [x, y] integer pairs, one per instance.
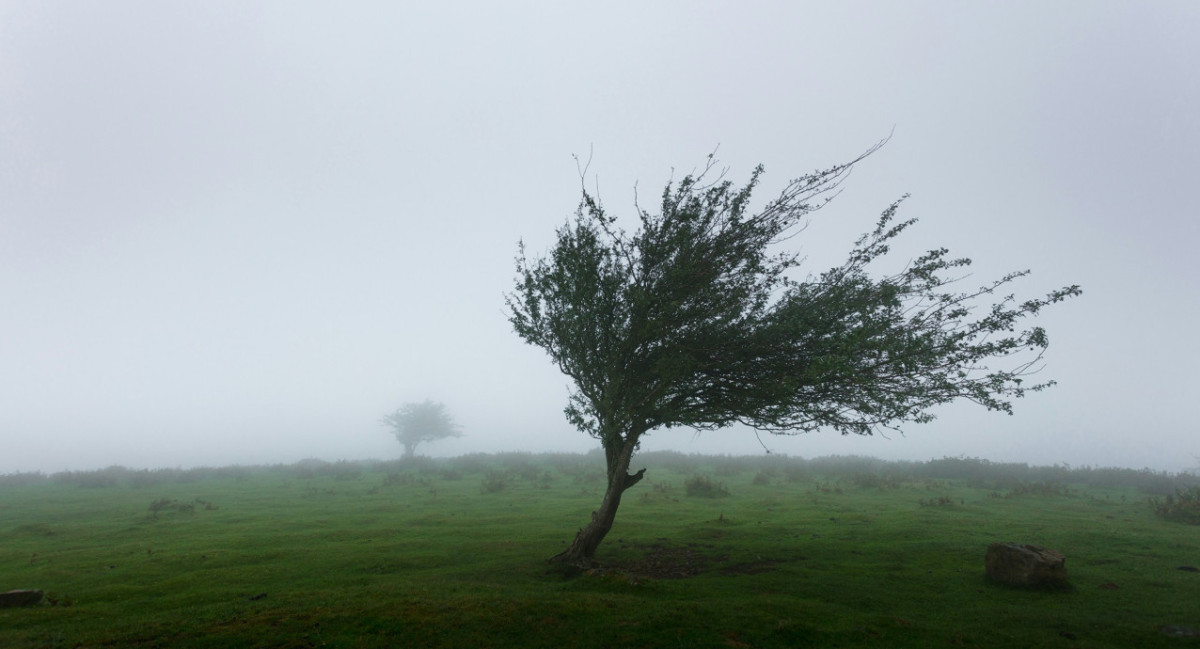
{"points": [[243, 232]]}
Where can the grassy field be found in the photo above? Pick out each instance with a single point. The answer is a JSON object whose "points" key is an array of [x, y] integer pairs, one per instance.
{"points": [[841, 552]]}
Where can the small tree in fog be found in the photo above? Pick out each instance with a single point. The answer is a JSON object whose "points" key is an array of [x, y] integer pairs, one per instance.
{"points": [[421, 422], [696, 319]]}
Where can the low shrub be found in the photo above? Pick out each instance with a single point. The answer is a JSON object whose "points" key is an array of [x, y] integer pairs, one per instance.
{"points": [[1183, 506], [828, 488], [1041, 489], [876, 481], [494, 482], [764, 476], [704, 487]]}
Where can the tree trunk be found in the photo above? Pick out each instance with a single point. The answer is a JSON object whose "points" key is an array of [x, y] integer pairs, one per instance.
{"points": [[582, 550], [409, 449]]}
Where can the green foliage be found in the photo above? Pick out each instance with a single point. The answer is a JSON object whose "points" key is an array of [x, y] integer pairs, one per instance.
{"points": [[1183, 506], [694, 320], [415, 423]]}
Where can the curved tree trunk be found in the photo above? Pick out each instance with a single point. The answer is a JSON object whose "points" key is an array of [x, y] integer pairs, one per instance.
{"points": [[582, 550]]}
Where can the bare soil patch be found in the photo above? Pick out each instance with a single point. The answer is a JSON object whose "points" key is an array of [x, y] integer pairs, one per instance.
{"points": [[663, 559]]}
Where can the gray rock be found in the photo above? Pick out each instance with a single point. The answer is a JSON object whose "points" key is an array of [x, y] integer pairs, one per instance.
{"points": [[15, 598], [1026, 566]]}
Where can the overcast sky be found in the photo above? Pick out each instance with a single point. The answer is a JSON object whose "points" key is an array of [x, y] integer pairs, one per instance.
{"points": [[242, 232]]}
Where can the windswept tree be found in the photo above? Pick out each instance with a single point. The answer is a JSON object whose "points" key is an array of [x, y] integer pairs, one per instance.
{"points": [[697, 320], [421, 422]]}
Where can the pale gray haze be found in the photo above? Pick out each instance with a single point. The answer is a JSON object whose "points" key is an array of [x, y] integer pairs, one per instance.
{"points": [[243, 232]]}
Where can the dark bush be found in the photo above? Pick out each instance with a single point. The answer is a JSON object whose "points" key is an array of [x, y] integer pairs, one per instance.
{"points": [[1182, 507], [1041, 489], [704, 487], [765, 476], [494, 482]]}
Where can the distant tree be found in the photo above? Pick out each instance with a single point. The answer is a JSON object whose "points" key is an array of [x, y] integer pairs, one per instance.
{"points": [[421, 422], [696, 320]]}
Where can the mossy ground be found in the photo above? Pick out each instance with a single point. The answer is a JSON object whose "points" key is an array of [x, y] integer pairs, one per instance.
{"points": [[452, 554]]}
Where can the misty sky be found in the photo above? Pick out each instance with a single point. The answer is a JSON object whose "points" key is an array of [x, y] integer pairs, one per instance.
{"points": [[242, 232]]}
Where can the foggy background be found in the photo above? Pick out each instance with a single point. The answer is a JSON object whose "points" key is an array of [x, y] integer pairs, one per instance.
{"points": [[242, 232]]}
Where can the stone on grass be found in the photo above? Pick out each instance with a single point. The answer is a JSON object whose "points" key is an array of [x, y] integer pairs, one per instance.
{"points": [[1026, 566], [15, 598]]}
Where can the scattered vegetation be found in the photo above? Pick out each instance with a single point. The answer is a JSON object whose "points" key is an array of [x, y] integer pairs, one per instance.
{"points": [[1183, 506], [842, 551], [1053, 488], [494, 482], [1013, 478]]}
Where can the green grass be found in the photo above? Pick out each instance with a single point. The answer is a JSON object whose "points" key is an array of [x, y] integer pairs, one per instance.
{"points": [[435, 555]]}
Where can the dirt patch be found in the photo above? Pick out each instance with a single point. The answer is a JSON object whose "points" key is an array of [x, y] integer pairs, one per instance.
{"points": [[662, 559], [668, 561], [665, 560]]}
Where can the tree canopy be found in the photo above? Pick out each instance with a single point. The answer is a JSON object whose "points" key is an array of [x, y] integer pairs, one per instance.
{"points": [[421, 422], [697, 319]]}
